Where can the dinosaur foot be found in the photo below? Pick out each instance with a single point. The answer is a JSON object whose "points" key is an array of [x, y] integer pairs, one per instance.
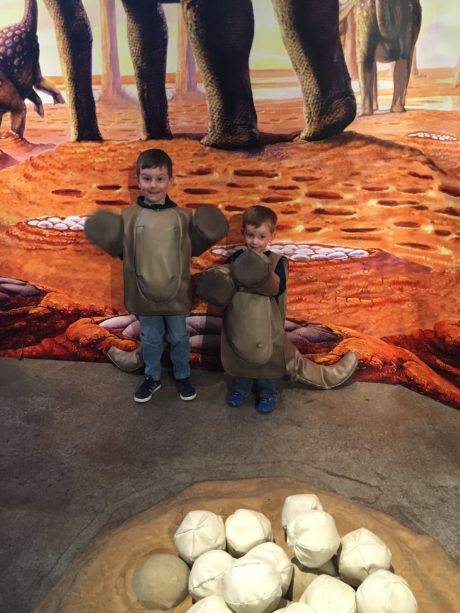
{"points": [[58, 98], [158, 134], [334, 115], [232, 140], [397, 108]]}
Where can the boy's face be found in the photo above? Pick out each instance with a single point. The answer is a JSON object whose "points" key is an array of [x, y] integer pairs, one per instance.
{"points": [[257, 237], [154, 183]]}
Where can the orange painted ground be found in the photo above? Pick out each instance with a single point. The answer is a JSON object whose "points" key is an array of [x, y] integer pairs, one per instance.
{"points": [[388, 185]]}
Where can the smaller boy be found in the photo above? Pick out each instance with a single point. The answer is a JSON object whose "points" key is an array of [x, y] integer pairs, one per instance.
{"points": [[259, 223], [255, 349], [156, 240]]}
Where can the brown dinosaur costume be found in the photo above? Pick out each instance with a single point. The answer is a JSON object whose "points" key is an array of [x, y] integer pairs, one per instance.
{"points": [[20, 70], [156, 246], [253, 340], [386, 31]]}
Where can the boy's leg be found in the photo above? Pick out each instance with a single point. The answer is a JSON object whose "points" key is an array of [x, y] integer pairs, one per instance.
{"points": [[179, 345], [243, 385], [152, 333], [267, 392], [179, 348], [241, 389], [267, 387], [152, 337]]}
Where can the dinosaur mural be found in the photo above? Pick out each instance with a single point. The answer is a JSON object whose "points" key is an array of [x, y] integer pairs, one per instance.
{"points": [[386, 31], [367, 218], [20, 70], [221, 35]]}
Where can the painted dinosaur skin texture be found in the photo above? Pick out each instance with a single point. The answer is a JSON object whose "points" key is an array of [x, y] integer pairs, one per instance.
{"points": [[221, 34], [20, 70], [386, 31]]}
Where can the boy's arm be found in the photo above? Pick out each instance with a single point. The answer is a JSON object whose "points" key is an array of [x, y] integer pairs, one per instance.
{"points": [[216, 285], [208, 226], [252, 271], [105, 229]]}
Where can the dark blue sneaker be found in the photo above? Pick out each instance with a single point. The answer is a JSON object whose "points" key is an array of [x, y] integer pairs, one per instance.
{"points": [[186, 389], [146, 389], [236, 399], [266, 404]]}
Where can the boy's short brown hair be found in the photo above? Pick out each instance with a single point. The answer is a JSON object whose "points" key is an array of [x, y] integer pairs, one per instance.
{"points": [[153, 158], [257, 215]]}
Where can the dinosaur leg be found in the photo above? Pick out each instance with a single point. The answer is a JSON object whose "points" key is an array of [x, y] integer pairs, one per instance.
{"points": [[46, 86], [148, 42], [38, 104], [12, 102], [365, 54], [74, 38], [310, 30], [375, 94], [303, 370], [18, 119], [221, 35], [401, 76]]}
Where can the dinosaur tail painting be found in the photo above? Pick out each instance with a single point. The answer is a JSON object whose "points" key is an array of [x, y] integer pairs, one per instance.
{"points": [[386, 19], [29, 20]]}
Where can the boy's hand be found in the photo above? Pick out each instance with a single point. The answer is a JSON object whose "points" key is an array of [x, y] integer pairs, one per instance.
{"points": [[208, 226], [215, 286], [251, 269], [105, 229]]}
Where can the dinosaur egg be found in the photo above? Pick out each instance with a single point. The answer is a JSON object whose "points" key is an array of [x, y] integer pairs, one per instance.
{"points": [[245, 529], [313, 537], [383, 591], [362, 553], [200, 531], [160, 581], [208, 572], [252, 586], [330, 595], [297, 504]]}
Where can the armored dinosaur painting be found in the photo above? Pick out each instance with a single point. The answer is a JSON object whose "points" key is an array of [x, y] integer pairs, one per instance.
{"points": [[20, 70]]}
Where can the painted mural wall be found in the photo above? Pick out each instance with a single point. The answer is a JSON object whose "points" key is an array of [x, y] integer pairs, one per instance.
{"points": [[368, 217]]}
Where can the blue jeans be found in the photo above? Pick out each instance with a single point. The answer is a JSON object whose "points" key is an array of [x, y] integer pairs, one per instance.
{"points": [[265, 387], [153, 329]]}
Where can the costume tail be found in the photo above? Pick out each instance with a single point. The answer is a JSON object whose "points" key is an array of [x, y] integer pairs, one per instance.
{"points": [[301, 369], [128, 361]]}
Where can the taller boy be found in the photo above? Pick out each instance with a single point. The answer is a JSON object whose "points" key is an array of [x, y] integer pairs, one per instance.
{"points": [[156, 240]]}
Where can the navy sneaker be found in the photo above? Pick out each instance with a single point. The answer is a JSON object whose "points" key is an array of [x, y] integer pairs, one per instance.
{"points": [[266, 404], [146, 389], [186, 389], [235, 399]]}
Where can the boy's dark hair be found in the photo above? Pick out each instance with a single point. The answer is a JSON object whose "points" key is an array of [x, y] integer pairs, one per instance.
{"points": [[257, 215], [153, 158]]}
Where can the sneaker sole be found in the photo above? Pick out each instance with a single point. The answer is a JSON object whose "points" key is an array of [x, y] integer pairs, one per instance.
{"points": [[186, 398], [148, 397]]}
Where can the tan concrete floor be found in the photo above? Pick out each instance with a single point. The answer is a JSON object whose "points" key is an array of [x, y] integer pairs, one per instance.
{"points": [[78, 457]]}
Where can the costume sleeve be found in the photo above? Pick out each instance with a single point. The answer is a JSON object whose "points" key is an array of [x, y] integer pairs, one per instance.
{"points": [[251, 270], [216, 285], [105, 229], [208, 226]]}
